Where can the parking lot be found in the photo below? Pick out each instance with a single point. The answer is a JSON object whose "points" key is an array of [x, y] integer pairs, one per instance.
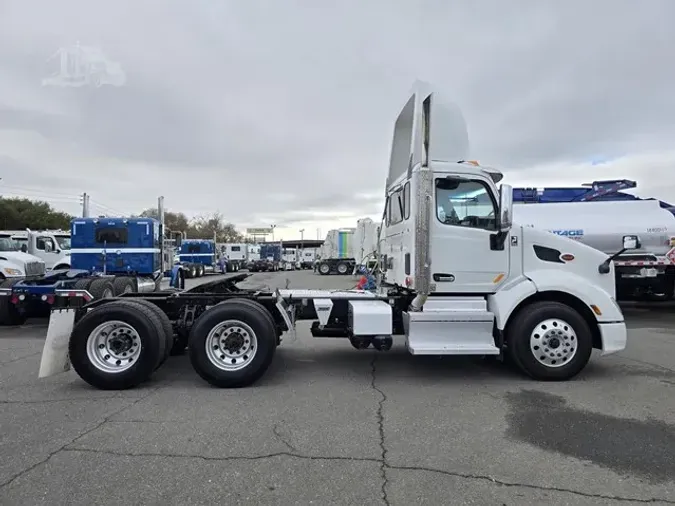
{"points": [[329, 424]]}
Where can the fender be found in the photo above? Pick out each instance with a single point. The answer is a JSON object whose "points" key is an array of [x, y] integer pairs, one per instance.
{"points": [[512, 293], [574, 284], [502, 303]]}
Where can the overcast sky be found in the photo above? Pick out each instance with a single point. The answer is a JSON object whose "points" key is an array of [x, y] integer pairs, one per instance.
{"points": [[281, 111]]}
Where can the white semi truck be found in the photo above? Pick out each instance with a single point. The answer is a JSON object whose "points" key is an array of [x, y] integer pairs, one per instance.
{"points": [[647, 273], [50, 246], [307, 257], [15, 266], [469, 283]]}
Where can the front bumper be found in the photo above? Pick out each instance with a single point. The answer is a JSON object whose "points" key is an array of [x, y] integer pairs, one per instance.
{"points": [[614, 337]]}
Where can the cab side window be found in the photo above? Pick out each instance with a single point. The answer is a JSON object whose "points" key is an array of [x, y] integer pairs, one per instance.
{"points": [[45, 244], [398, 208], [465, 203]]}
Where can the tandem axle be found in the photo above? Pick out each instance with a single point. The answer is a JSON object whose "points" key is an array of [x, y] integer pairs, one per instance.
{"points": [[118, 343]]}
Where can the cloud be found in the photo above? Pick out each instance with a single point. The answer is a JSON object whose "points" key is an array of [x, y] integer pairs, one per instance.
{"points": [[282, 111]]}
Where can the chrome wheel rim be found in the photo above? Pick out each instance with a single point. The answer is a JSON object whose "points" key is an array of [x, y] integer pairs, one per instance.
{"points": [[231, 345], [113, 346], [553, 342]]}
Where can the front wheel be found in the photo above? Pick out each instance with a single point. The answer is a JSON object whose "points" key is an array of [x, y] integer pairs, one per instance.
{"points": [[549, 341]]}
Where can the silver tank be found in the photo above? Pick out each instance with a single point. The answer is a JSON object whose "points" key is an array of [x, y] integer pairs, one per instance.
{"points": [[602, 225]]}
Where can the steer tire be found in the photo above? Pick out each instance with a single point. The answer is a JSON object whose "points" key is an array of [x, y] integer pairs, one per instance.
{"points": [[9, 314], [165, 325], [152, 343], [575, 341], [263, 339]]}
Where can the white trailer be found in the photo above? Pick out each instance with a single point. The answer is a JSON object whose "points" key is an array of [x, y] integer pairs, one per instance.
{"points": [[648, 272], [454, 283], [337, 255]]}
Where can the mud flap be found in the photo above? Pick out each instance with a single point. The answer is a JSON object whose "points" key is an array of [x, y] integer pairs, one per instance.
{"points": [[55, 357]]}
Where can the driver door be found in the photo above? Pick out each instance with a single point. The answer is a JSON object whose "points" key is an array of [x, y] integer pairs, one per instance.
{"points": [[461, 258]]}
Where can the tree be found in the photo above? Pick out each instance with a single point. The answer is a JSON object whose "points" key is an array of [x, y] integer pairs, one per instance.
{"points": [[206, 227], [202, 227], [176, 222], [19, 214]]}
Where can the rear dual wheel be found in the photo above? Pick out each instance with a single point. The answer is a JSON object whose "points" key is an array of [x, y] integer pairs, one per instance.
{"points": [[232, 344], [120, 344]]}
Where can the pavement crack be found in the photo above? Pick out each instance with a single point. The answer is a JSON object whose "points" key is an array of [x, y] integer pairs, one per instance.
{"points": [[280, 437], [63, 447], [491, 479], [19, 359], [221, 459], [380, 427]]}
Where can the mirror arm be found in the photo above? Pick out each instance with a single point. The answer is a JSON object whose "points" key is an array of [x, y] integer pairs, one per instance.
{"points": [[603, 268]]}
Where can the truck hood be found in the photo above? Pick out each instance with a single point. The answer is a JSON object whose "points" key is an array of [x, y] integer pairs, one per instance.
{"points": [[586, 259], [18, 257]]}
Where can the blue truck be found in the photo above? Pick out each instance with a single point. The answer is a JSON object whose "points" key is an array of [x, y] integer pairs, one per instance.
{"points": [[270, 258], [197, 257], [109, 257]]}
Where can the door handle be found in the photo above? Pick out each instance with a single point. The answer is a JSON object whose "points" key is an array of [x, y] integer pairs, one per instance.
{"points": [[440, 277]]}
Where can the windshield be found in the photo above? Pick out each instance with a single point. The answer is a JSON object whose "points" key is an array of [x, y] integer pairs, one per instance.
{"points": [[7, 244], [64, 241]]}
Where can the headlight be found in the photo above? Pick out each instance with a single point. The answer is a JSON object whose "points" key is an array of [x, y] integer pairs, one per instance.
{"points": [[12, 272]]}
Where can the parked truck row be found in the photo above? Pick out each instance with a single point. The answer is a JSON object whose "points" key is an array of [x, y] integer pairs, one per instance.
{"points": [[467, 282]]}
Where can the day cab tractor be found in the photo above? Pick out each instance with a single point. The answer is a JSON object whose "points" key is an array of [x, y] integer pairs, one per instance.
{"points": [[458, 278]]}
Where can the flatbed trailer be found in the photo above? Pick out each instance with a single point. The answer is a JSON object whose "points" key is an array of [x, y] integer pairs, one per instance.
{"points": [[540, 300]]}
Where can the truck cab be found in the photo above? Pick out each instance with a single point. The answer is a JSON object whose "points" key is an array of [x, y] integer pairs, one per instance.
{"points": [[116, 245], [481, 282], [307, 258], [15, 263], [197, 256], [236, 256], [289, 259], [53, 248]]}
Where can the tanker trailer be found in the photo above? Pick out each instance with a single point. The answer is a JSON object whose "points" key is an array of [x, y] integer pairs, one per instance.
{"points": [[647, 273]]}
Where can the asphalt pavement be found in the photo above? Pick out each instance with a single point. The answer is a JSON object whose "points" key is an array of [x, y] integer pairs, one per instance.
{"points": [[329, 424]]}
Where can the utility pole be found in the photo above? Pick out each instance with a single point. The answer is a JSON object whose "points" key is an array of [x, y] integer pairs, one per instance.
{"points": [[160, 215], [85, 205], [302, 239]]}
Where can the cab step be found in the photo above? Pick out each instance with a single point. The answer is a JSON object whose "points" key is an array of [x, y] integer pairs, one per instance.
{"points": [[451, 326]]}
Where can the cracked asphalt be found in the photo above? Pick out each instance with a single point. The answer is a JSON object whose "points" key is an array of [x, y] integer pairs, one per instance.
{"points": [[329, 424]]}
